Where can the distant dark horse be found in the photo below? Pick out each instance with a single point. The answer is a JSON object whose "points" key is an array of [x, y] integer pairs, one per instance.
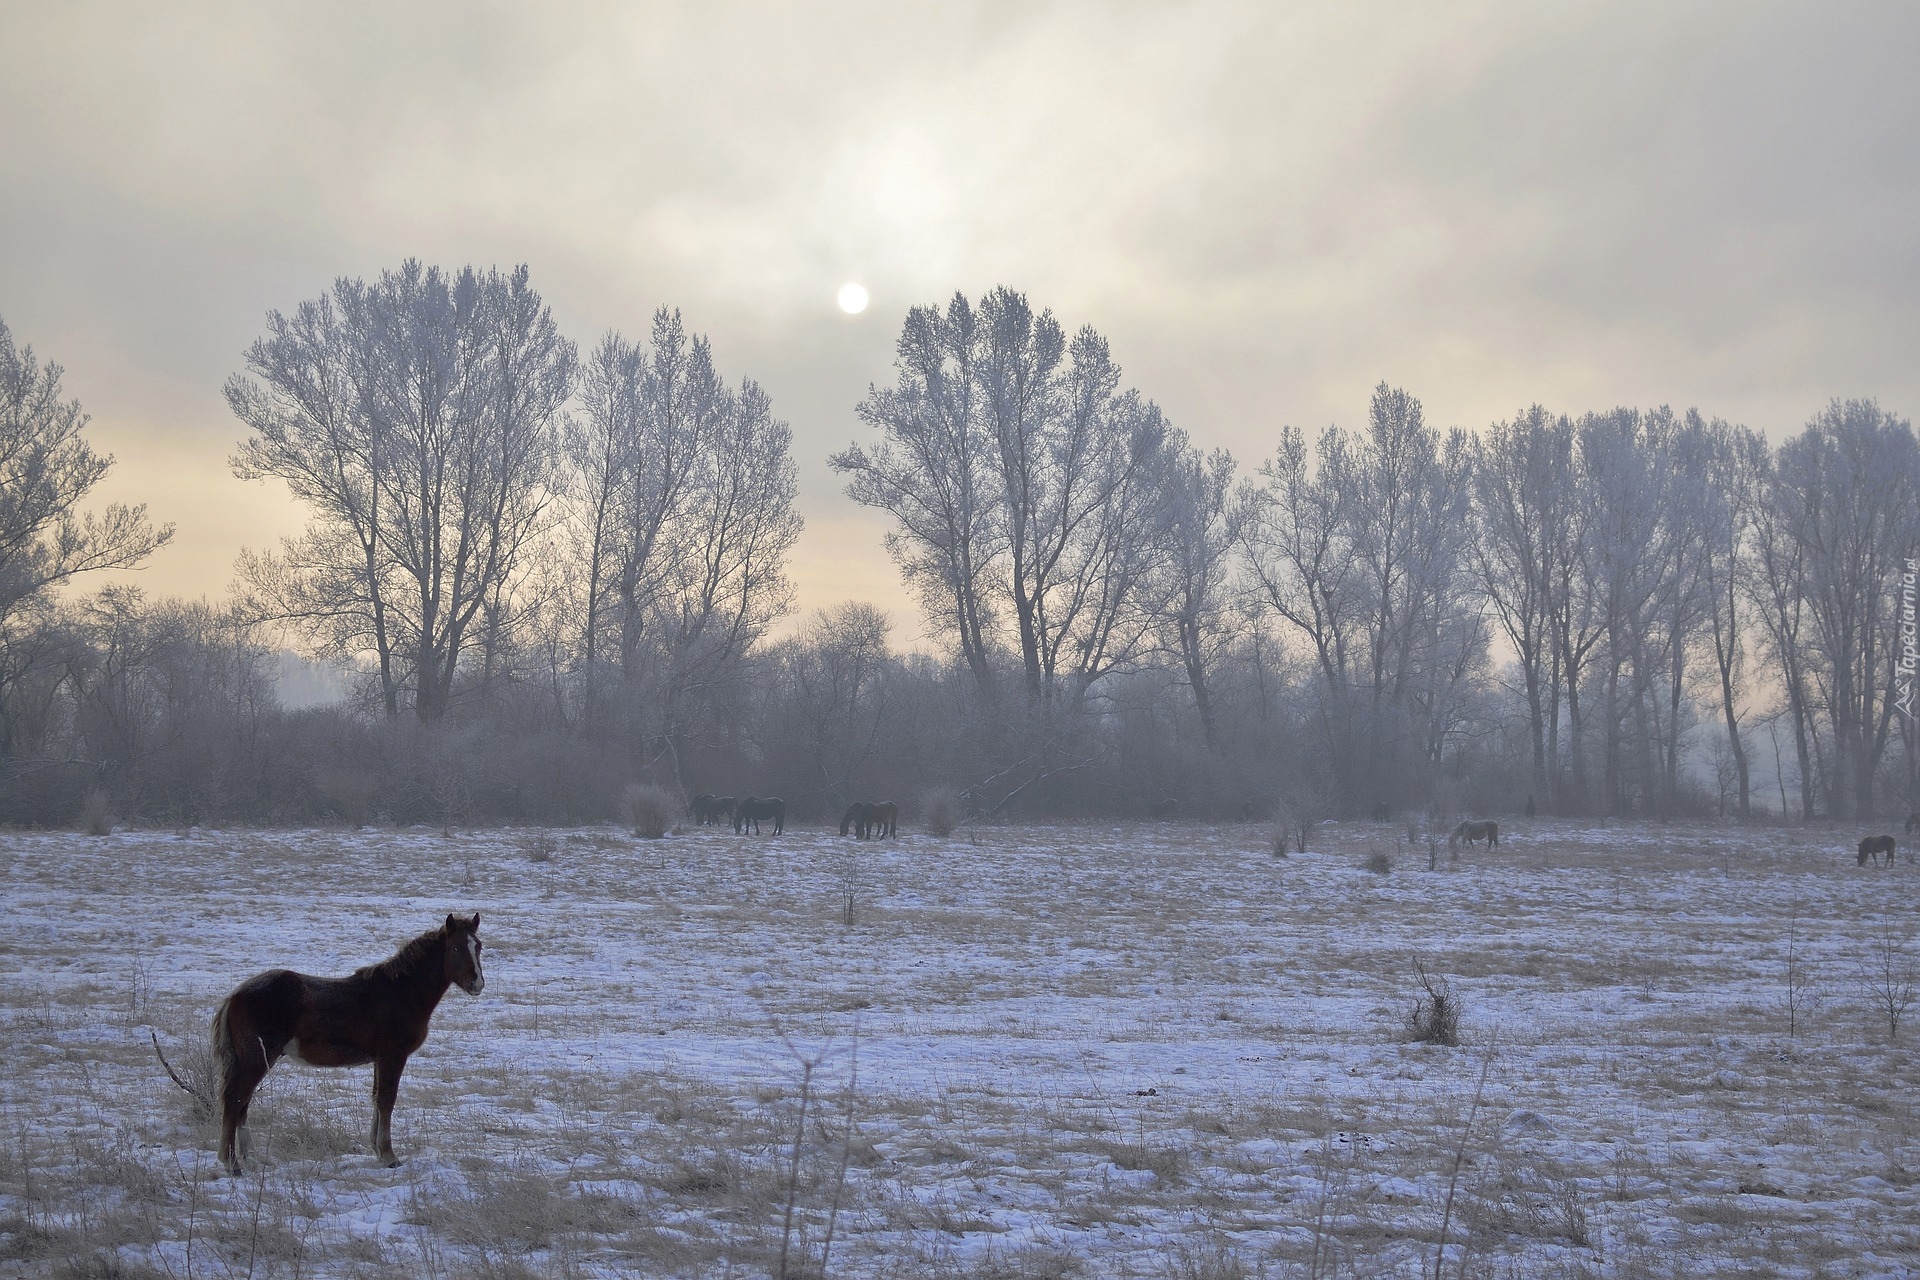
{"points": [[720, 809], [1471, 832], [702, 809], [866, 819], [377, 1015], [1873, 846], [753, 809], [1168, 808]]}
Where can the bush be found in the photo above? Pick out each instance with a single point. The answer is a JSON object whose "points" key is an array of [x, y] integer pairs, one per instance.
{"points": [[1380, 862], [350, 792], [647, 809], [1435, 1016], [96, 815], [943, 808], [1278, 841], [540, 846]]}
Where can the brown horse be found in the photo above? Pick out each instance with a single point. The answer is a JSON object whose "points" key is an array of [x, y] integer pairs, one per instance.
{"points": [[1472, 832], [883, 819], [720, 809], [377, 1015], [854, 820], [755, 808], [702, 807], [1873, 846]]}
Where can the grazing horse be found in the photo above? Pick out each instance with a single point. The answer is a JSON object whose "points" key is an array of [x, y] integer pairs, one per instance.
{"points": [[1381, 813], [379, 1014], [702, 809], [720, 809], [1471, 832], [755, 808], [855, 819], [883, 819], [1873, 846]]}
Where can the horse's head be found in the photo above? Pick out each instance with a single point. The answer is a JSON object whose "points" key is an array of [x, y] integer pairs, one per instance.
{"points": [[462, 955]]}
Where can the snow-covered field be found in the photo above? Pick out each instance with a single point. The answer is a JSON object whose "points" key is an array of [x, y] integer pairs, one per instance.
{"points": [[1089, 1051]]}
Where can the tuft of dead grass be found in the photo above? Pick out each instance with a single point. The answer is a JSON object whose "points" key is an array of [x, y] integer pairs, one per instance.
{"points": [[1435, 1015]]}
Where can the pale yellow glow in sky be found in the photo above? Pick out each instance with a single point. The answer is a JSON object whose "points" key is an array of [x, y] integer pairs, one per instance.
{"points": [[1266, 208]]}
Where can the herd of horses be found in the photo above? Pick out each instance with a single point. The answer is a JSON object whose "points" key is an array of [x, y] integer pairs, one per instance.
{"points": [[379, 1014], [744, 815], [864, 819]]}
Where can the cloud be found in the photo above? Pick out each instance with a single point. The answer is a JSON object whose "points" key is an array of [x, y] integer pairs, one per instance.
{"points": [[1267, 208]]}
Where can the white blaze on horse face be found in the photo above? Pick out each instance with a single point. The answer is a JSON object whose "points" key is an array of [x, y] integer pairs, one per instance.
{"points": [[479, 979]]}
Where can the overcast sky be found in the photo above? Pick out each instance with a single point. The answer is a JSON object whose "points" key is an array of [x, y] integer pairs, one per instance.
{"points": [[1268, 208]]}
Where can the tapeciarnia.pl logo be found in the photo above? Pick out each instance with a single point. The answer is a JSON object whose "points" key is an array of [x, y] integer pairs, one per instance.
{"points": [[1909, 664]]}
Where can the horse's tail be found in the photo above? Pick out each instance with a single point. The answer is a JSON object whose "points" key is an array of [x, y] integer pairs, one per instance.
{"points": [[225, 1056]]}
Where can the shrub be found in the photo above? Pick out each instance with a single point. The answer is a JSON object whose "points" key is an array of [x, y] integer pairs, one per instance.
{"points": [[943, 808], [1379, 861], [540, 846], [96, 814], [1278, 841], [1435, 1016], [647, 809], [350, 793]]}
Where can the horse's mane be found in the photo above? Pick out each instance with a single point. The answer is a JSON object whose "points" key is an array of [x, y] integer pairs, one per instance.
{"points": [[409, 960]]}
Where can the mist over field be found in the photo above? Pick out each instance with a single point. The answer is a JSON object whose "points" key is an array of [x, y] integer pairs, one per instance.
{"points": [[1052, 640]]}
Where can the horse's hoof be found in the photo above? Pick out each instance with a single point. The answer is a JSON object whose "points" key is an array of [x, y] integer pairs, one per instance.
{"points": [[390, 1161]]}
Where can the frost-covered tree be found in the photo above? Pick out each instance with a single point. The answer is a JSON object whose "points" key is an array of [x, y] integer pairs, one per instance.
{"points": [[417, 419], [1523, 490], [1365, 557], [1201, 522], [47, 468], [1841, 512], [1020, 472], [681, 522]]}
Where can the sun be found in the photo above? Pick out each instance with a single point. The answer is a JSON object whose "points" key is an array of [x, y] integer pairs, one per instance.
{"points": [[853, 298]]}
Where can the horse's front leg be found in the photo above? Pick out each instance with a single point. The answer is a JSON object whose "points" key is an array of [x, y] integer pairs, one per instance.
{"points": [[386, 1088]]}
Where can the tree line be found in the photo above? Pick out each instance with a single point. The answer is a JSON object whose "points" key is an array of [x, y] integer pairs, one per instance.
{"points": [[551, 574]]}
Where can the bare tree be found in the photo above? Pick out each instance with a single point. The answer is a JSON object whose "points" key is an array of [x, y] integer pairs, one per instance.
{"points": [[1202, 526], [1299, 556], [1846, 488], [46, 470], [1017, 466], [1523, 477], [1365, 557], [416, 418], [679, 528], [1733, 466], [932, 471], [836, 680]]}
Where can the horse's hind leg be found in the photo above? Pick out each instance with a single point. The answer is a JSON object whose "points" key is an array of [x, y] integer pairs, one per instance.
{"points": [[236, 1099]]}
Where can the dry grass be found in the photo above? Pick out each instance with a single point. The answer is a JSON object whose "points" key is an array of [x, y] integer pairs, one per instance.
{"points": [[1085, 1052]]}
